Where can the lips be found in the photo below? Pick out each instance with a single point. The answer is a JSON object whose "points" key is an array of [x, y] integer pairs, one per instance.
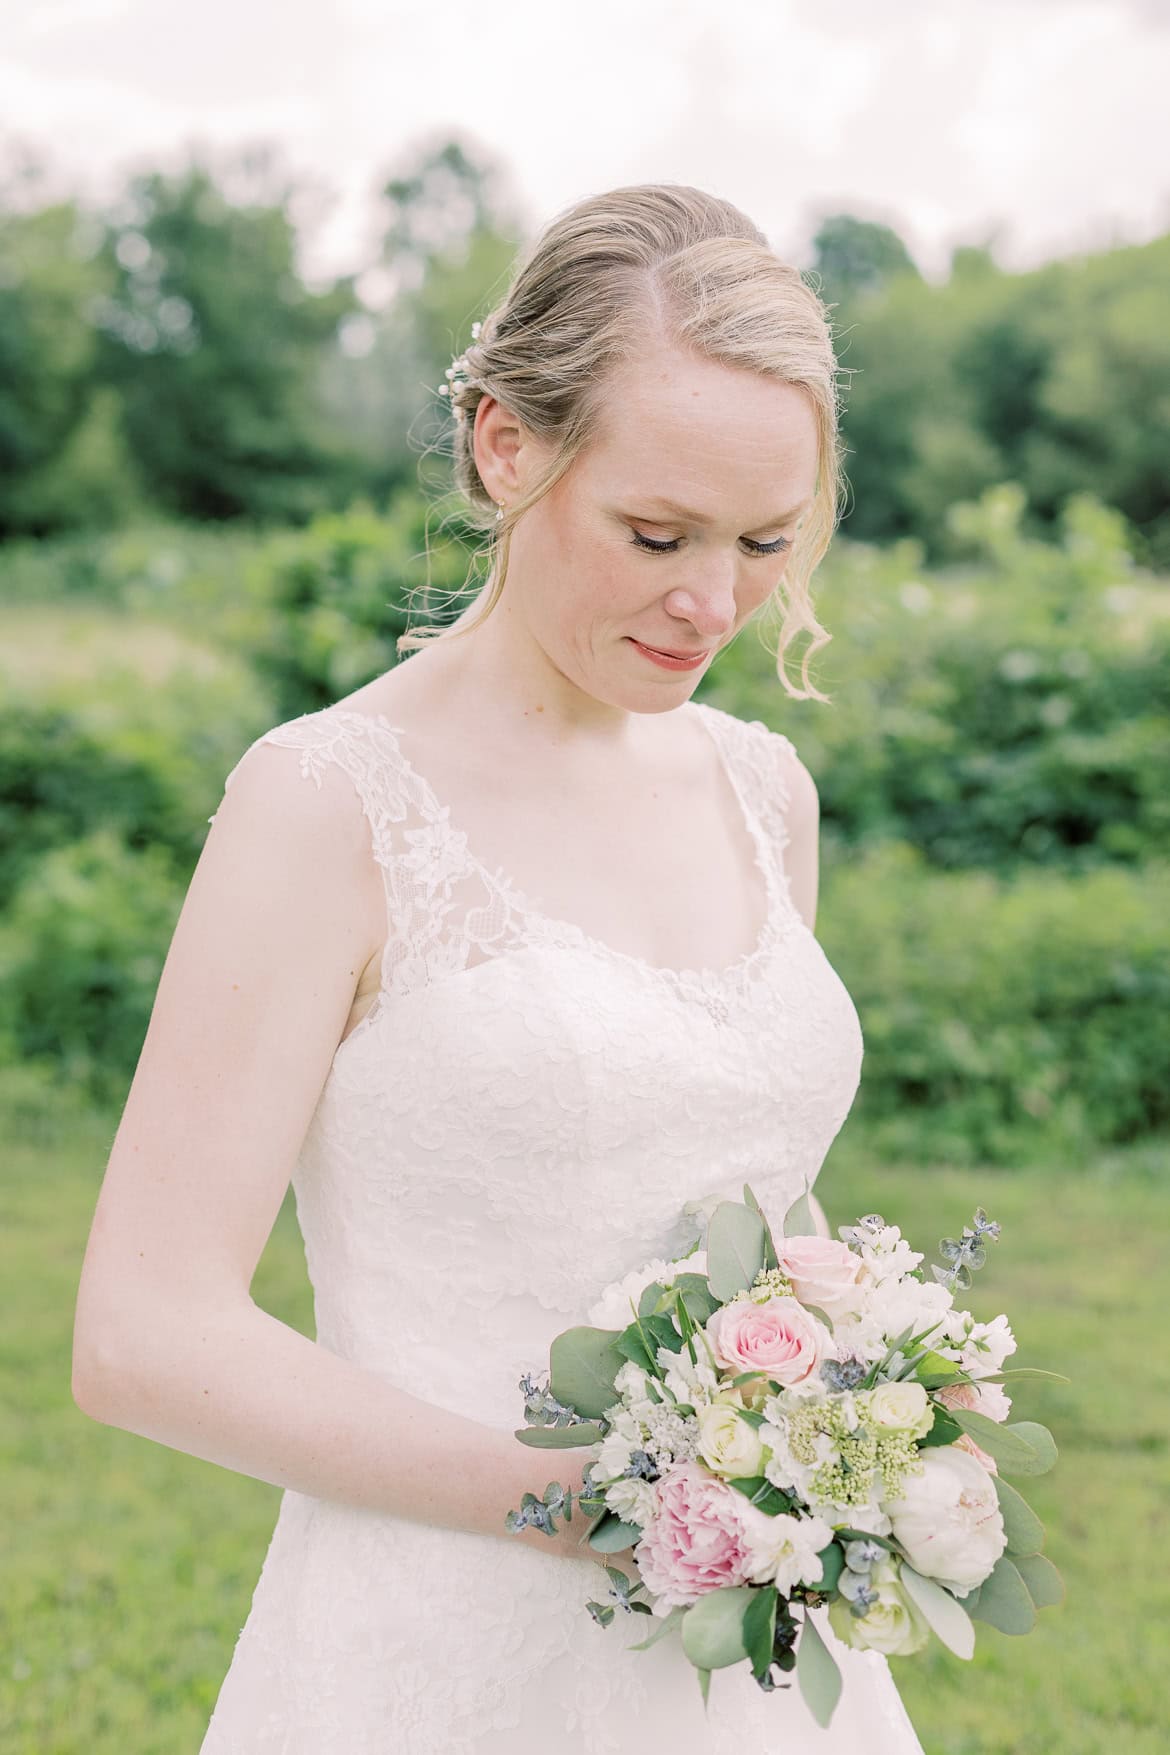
{"points": [[667, 653]]}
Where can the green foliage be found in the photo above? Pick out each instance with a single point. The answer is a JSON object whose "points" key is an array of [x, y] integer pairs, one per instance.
{"points": [[735, 1248], [1030, 1013], [1057, 378], [81, 951], [213, 342]]}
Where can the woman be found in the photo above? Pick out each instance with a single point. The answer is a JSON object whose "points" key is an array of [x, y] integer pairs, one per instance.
{"points": [[525, 972]]}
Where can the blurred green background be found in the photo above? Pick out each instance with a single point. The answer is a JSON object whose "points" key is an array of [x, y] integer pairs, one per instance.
{"points": [[224, 492]]}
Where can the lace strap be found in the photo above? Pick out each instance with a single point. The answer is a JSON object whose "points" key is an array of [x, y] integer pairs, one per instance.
{"points": [[760, 761], [366, 752]]}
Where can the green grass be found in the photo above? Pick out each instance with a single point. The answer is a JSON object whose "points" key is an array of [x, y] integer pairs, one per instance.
{"points": [[128, 1569]]}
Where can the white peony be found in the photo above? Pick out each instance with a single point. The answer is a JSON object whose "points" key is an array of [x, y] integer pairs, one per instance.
{"points": [[948, 1518], [783, 1550]]}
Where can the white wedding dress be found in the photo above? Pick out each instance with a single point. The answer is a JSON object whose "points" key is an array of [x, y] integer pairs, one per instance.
{"points": [[521, 1118]]}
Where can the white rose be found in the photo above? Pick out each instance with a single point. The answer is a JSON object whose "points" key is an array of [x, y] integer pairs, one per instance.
{"points": [[894, 1625], [900, 1407], [783, 1550], [948, 1518], [728, 1444]]}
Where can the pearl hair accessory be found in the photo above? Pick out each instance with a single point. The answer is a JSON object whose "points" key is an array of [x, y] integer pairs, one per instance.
{"points": [[458, 375]]}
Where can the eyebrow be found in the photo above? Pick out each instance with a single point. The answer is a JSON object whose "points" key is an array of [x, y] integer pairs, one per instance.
{"points": [[691, 516]]}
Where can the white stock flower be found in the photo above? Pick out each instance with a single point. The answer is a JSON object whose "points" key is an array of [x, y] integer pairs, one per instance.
{"points": [[987, 1346], [695, 1384], [887, 1255], [612, 1309], [899, 1304], [632, 1500], [783, 1550]]}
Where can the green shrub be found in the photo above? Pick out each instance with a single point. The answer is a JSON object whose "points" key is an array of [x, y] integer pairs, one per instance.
{"points": [[82, 945], [1000, 1015]]}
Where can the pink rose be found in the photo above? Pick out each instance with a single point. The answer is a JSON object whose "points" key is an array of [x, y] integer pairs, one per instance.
{"points": [[779, 1338], [695, 1541], [823, 1272], [986, 1398]]}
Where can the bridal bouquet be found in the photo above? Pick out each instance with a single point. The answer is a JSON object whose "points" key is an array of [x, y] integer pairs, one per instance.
{"points": [[782, 1425]]}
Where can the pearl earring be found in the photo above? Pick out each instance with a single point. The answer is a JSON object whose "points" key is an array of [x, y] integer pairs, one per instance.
{"points": [[500, 512]]}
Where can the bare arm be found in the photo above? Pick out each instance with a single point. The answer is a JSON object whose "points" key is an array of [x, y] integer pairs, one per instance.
{"points": [[282, 912]]}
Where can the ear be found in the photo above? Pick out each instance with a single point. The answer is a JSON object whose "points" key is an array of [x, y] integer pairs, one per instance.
{"points": [[498, 440]]}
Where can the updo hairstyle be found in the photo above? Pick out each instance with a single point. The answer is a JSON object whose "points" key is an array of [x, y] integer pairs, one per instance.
{"points": [[606, 275]]}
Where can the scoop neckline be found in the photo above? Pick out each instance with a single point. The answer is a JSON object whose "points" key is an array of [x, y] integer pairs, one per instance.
{"points": [[558, 931]]}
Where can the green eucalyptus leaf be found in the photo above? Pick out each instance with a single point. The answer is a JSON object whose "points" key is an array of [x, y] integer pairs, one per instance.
{"points": [[799, 1220], [1042, 1443], [1025, 1532], [1003, 1600], [816, 1670], [771, 1259], [1010, 1448], [735, 1249], [696, 1289], [664, 1626], [653, 1295], [713, 1634], [561, 1437], [1044, 1583], [1020, 1372], [609, 1535], [948, 1618], [584, 1363], [705, 1687]]}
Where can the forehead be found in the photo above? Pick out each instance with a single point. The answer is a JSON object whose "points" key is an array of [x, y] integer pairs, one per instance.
{"points": [[697, 430]]}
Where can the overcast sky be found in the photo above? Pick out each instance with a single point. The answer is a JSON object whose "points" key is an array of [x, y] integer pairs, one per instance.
{"points": [[1039, 123]]}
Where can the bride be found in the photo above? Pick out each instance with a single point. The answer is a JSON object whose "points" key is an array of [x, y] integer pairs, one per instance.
{"points": [[507, 960]]}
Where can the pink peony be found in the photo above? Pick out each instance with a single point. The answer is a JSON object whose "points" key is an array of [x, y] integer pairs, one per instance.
{"points": [[823, 1272], [695, 1541], [779, 1338]]}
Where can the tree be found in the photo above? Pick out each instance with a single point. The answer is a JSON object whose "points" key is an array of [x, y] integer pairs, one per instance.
{"points": [[215, 343]]}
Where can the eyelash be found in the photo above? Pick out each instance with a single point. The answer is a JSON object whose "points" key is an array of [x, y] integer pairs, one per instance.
{"points": [[667, 548]]}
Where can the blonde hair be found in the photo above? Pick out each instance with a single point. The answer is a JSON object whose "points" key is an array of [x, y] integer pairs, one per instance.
{"points": [[659, 258]]}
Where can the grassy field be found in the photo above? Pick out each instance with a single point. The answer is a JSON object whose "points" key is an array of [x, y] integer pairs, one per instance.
{"points": [[128, 1568]]}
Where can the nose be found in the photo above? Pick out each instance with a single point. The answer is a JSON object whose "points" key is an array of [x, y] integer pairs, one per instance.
{"points": [[709, 604]]}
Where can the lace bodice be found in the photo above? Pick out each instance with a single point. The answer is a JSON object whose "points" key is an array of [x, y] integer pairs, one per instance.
{"points": [[523, 1116], [532, 1108]]}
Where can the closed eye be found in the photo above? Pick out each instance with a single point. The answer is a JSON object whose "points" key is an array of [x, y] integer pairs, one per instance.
{"points": [[667, 548]]}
